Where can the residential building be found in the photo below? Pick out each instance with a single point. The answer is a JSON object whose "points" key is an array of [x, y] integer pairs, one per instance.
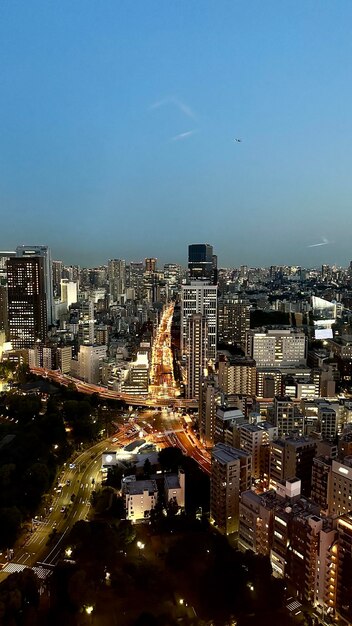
{"points": [[230, 475], [140, 497], [197, 353]]}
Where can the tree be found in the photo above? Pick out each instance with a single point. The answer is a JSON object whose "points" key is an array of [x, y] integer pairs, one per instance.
{"points": [[10, 522], [147, 468], [170, 459]]}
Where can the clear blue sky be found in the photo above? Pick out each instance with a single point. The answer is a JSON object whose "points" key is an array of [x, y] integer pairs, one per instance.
{"points": [[117, 121]]}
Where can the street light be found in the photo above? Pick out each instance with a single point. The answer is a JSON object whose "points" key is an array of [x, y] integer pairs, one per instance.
{"points": [[89, 609], [68, 552]]}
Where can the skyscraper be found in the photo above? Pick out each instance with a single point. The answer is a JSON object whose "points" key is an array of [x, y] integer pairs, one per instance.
{"points": [[45, 253], [197, 348], [27, 310], [199, 297], [117, 279], [201, 262]]}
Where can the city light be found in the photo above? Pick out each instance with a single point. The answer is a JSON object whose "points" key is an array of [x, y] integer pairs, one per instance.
{"points": [[89, 609], [68, 552]]}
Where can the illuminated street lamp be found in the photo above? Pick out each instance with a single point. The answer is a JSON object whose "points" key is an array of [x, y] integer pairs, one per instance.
{"points": [[68, 552], [89, 609]]}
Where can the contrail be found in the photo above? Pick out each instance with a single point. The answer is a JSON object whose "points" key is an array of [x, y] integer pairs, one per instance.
{"points": [[181, 136], [325, 242], [182, 106]]}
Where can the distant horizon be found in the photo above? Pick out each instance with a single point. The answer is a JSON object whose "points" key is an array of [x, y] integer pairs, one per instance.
{"points": [[129, 127], [161, 262]]}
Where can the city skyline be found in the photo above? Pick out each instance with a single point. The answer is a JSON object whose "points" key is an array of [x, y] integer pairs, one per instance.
{"points": [[120, 130]]}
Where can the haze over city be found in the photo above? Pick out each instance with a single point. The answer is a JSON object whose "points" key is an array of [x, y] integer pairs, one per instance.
{"points": [[118, 128]]}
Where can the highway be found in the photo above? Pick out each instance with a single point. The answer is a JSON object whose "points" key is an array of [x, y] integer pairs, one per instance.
{"points": [[151, 400]]}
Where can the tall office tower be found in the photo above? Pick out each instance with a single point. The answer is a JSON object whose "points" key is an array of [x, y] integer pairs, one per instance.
{"points": [[45, 253], [233, 320], [344, 569], [69, 292], [135, 278], [238, 375], [200, 298], [117, 279], [150, 264], [201, 262], [172, 276], [26, 301], [57, 275], [197, 347], [86, 323], [230, 475], [327, 422], [277, 348]]}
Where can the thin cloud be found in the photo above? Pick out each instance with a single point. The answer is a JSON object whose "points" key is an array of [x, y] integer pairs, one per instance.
{"points": [[325, 242], [182, 136], [181, 106]]}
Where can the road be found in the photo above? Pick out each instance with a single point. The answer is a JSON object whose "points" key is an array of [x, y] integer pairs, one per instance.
{"points": [[152, 400], [86, 467], [69, 500], [161, 371]]}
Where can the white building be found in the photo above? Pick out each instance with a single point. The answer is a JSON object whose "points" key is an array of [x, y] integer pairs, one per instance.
{"points": [[199, 297], [197, 353], [277, 348], [68, 292], [140, 497], [89, 362], [175, 488]]}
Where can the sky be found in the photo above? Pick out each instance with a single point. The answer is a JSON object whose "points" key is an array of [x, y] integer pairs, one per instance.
{"points": [[118, 120]]}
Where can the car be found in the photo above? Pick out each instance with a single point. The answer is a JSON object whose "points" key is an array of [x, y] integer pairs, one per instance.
{"points": [[114, 439], [68, 482], [63, 509]]}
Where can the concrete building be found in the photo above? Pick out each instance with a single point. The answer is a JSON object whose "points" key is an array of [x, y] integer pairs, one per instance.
{"points": [[277, 348], [227, 419], [327, 422], [292, 458], [209, 400], [251, 439], [64, 357], [197, 353], [117, 280], [69, 292], [89, 362], [174, 488], [140, 497], [230, 475], [137, 378], [340, 494], [199, 297], [233, 320], [86, 323], [285, 416], [238, 375]]}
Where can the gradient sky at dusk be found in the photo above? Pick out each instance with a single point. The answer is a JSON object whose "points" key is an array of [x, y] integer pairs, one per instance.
{"points": [[117, 121]]}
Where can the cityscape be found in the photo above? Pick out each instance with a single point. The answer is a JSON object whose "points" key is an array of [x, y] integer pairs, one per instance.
{"points": [[129, 372], [175, 313]]}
